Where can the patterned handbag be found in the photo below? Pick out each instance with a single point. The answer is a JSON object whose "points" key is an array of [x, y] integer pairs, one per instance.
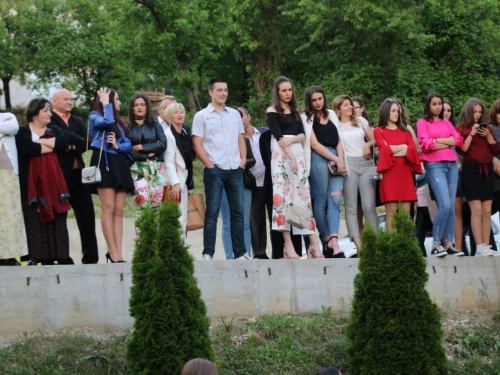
{"points": [[298, 216]]}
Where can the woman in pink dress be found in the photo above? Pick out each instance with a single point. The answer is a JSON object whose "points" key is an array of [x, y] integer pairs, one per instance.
{"points": [[398, 160]]}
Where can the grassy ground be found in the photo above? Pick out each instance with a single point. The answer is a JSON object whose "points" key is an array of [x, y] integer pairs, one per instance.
{"points": [[268, 345]]}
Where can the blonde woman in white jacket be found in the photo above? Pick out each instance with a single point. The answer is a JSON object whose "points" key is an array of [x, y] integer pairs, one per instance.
{"points": [[12, 232], [178, 159], [323, 145]]}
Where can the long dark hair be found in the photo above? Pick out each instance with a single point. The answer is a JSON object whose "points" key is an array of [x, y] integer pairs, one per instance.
{"points": [[276, 98], [385, 112], [452, 117], [428, 116], [131, 118], [494, 110], [98, 107], [362, 104], [402, 111], [308, 107], [467, 114]]}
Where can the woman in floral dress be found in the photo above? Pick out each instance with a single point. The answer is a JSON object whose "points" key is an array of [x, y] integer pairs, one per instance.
{"points": [[288, 168]]}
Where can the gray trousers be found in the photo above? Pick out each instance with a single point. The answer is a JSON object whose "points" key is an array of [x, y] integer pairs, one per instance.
{"points": [[359, 179]]}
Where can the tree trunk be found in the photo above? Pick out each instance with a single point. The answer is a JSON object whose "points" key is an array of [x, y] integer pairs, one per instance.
{"points": [[6, 91], [191, 102]]}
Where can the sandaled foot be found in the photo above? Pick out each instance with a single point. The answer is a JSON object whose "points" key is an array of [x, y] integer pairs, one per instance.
{"points": [[314, 251], [289, 251]]}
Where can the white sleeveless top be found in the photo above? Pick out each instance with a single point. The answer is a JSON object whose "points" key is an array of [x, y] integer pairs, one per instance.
{"points": [[353, 138]]}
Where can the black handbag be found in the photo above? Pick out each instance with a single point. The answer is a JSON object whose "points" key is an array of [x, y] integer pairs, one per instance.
{"points": [[249, 179]]}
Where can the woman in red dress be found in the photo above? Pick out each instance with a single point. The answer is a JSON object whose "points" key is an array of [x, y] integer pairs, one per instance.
{"points": [[398, 160]]}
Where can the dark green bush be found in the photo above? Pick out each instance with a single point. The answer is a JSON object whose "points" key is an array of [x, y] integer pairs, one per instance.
{"points": [[171, 326], [395, 327]]}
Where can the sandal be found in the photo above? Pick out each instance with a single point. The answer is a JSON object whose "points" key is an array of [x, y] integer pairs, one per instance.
{"points": [[314, 254], [285, 254], [337, 253]]}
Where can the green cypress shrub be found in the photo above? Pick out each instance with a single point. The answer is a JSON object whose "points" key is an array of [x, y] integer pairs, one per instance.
{"points": [[395, 327], [171, 325]]}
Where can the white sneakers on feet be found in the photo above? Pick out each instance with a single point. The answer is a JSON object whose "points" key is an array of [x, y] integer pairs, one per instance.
{"points": [[483, 251], [207, 257], [244, 257]]}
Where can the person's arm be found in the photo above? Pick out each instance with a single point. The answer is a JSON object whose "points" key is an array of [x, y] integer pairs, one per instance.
{"points": [[9, 125], [170, 162], [469, 138], [200, 151], [425, 141], [100, 122], [414, 138], [323, 151], [250, 158], [243, 150], [25, 146], [160, 145]]}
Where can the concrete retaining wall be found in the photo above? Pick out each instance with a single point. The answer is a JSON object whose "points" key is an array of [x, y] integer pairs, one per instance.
{"points": [[55, 297]]}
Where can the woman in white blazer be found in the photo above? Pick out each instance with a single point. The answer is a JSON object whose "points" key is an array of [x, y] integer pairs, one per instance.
{"points": [[178, 159], [323, 145], [12, 232]]}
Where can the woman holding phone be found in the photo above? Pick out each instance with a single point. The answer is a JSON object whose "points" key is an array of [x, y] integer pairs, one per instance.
{"points": [[108, 132], [478, 178]]}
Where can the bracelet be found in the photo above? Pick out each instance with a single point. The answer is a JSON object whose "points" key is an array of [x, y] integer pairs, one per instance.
{"points": [[471, 135]]}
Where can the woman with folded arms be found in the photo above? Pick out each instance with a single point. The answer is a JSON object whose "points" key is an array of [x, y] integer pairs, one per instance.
{"points": [[359, 162], [288, 168], [436, 137], [108, 131], [13, 242], [398, 160], [179, 160], [148, 149], [321, 128], [478, 178]]}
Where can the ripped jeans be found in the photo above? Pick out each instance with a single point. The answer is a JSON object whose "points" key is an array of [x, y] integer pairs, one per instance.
{"points": [[326, 193], [443, 177]]}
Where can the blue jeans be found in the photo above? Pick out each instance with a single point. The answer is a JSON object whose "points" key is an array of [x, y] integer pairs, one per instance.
{"points": [[443, 178], [226, 222], [216, 180], [326, 206]]}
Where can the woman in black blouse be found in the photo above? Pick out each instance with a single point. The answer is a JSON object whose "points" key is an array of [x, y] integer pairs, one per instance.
{"points": [[288, 168], [321, 129]]}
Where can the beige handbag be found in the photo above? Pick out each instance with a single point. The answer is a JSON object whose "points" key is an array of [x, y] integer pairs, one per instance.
{"points": [[92, 175], [298, 216]]}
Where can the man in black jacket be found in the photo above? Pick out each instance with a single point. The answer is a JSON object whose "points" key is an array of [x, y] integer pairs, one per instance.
{"points": [[72, 164]]}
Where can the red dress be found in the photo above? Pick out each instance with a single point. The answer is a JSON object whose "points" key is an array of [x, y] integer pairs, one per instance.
{"points": [[397, 182]]}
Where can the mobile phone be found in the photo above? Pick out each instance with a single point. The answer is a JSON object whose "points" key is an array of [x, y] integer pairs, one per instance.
{"points": [[483, 125]]}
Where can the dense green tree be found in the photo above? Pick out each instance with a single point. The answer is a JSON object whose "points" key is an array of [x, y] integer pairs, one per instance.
{"points": [[171, 326], [395, 328]]}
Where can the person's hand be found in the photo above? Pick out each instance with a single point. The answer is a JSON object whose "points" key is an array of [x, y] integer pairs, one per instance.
{"points": [[137, 148], [496, 166], [285, 142], [103, 95], [474, 129], [341, 166], [295, 168], [367, 151], [175, 192], [151, 154], [112, 140], [243, 162]]}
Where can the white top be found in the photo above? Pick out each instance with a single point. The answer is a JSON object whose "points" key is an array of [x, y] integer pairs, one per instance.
{"points": [[259, 169], [163, 124], [8, 129], [220, 132], [353, 139], [175, 170]]}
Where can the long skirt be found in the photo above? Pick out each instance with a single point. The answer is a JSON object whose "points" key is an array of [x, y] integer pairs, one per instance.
{"points": [[289, 187], [12, 232]]}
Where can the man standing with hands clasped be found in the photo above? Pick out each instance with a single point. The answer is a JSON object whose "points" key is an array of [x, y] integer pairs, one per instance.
{"points": [[219, 143]]}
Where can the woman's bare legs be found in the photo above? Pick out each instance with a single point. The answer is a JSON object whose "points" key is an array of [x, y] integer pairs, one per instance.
{"points": [[288, 249], [112, 225], [459, 223], [481, 221], [314, 250]]}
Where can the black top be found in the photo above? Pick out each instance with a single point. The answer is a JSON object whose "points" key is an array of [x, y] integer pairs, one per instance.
{"points": [[75, 126], [326, 134], [26, 149], [151, 137], [281, 126]]}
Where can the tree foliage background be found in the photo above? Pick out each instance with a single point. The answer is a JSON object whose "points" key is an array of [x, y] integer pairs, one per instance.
{"points": [[369, 48]]}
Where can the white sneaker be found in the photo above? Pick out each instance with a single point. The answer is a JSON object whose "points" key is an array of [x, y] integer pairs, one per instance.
{"points": [[494, 253], [483, 251], [207, 257], [244, 257]]}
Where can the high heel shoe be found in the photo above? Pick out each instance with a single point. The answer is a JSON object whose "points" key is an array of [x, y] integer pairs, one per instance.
{"points": [[312, 253], [285, 254], [109, 259], [336, 253]]}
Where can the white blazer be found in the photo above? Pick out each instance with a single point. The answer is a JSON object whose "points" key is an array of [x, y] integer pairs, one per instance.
{"points": [[174, 166], [306, 144], [8, 129]]}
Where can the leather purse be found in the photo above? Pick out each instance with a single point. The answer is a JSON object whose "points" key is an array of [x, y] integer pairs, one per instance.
{"points": [[92, 175], [249, 179], [298, 216]]}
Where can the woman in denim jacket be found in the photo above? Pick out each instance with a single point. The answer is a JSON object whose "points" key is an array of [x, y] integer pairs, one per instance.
{"points": [[114, 165]]}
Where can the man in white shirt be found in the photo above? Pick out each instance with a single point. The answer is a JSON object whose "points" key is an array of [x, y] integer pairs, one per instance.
{"points": [[161, 112], [219, 143]]}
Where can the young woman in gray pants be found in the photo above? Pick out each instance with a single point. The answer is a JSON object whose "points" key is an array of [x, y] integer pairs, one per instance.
{"points": [[359, 162]]}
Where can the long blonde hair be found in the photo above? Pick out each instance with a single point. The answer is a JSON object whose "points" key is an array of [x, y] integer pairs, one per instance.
{"points": [[337, 103]]}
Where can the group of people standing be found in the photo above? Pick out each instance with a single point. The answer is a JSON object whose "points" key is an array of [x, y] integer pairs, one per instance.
{"points": [[303, 161]]}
